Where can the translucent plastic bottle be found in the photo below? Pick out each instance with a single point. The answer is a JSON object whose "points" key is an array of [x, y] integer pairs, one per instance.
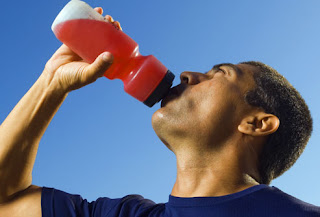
{"points": [[88, 34]]}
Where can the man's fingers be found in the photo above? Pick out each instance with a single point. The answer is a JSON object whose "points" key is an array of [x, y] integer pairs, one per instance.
{"points": [[109, 18], [117, 24], [99, 10]]}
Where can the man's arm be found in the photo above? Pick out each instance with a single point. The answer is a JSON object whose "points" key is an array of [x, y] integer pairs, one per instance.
{"points": [[22, 130]]}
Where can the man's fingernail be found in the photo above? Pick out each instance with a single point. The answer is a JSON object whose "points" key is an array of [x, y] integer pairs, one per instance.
{"points": [[106, 56]]}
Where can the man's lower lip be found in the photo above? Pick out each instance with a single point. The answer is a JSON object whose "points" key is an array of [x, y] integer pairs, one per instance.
{"points": [[167, 99], [164, 102]]}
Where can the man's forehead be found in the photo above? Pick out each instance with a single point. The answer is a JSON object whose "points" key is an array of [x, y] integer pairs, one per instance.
{"points": [[222, 64], [247, 69], [245, 73], [231, 65]]}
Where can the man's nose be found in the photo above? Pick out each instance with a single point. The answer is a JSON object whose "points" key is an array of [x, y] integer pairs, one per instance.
{"points": [[192, 77]]}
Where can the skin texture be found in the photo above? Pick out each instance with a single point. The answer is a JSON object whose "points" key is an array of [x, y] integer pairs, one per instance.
{"points": [[215, 135]]}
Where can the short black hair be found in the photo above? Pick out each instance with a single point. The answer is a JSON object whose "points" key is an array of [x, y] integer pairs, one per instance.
{"points": [[275, 95]]}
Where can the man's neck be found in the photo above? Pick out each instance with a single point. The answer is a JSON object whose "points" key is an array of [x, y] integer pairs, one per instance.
{"points": [[211, 176]]}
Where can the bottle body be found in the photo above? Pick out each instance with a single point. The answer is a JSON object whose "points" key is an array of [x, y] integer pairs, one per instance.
{"points": [[89, 37]]}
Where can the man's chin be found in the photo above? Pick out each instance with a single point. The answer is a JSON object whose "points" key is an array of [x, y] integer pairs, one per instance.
{"points": [[158, 125]]}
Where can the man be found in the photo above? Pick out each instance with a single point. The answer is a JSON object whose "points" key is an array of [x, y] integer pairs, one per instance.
{"points": [[232, 129]]}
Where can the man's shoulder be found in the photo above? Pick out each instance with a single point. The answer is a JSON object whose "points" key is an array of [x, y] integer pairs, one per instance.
{"points": [[66, 204], [284, 202]]}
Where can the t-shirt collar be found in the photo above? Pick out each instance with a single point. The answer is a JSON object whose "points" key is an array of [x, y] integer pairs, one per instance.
{"points": [[204, 201]]}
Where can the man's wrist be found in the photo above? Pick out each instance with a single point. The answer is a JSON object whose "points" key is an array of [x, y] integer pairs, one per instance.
{"points": [[51, 86]]}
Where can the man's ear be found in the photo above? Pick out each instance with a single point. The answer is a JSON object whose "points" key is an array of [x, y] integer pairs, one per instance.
{"points": [[259, 124]]}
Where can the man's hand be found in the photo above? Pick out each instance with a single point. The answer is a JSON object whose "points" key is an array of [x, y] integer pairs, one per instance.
{"points": [[67, 71]]}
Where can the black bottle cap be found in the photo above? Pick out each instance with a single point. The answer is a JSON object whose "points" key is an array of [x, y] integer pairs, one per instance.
{"points": [[161, 90]]}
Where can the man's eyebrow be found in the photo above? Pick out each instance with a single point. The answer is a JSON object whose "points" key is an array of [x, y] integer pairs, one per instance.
{"points": [[234, 67]]}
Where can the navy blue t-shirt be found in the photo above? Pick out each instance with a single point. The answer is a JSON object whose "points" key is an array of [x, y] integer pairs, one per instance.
{"points": [[257, 201]]}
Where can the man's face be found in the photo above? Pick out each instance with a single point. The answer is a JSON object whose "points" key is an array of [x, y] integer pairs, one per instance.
{"points": [[205, 107]]}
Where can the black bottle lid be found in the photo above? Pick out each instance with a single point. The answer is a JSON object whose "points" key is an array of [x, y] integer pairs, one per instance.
{"points": [[161, 90]]}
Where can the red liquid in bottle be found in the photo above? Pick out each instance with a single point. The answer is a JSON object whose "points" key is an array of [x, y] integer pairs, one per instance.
{"points": [[88, 38]]}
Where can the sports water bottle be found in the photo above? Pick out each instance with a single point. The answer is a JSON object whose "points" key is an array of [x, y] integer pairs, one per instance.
{"points": [[88, 34]]}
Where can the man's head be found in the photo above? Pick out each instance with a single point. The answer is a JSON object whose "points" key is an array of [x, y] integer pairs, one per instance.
{"points": [[236, 109]]}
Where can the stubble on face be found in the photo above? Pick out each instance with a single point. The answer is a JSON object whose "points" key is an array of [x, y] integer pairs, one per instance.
{"points": [[208, 111]]}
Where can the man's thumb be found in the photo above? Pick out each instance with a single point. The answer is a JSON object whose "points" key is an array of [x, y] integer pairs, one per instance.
{"points": [[100, 65]]}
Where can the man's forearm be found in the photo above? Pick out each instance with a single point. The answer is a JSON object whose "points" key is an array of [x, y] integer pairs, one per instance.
{"points": [[21, 132]]}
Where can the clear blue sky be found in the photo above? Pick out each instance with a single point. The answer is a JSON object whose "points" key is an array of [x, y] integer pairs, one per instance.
{"points": [[101, 142]]}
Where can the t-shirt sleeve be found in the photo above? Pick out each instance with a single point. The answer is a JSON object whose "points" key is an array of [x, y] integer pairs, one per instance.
{"points": [[56, 203]]}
